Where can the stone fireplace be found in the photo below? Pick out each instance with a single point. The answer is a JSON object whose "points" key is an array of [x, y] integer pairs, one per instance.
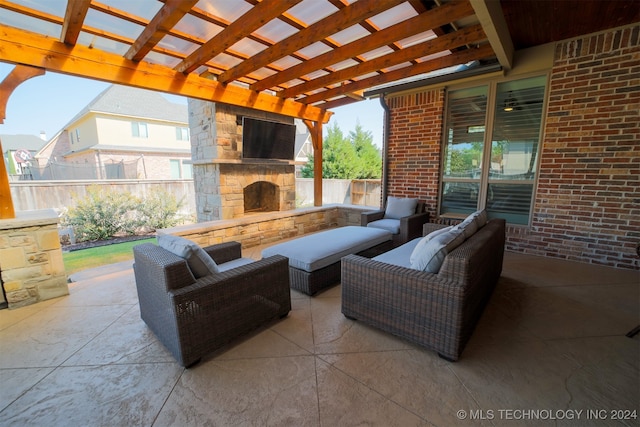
{"points": [[226, 185]]}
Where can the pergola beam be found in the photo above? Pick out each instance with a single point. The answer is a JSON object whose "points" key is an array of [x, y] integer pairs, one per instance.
{"points": [[350, 15], [457, 58], [491, 18], [428, 20], [23, 47], [166, 18], [73, 20], [255, 18], [441, 44]]}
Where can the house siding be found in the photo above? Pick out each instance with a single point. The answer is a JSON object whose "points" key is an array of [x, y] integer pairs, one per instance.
{"points": [[587, 202]]}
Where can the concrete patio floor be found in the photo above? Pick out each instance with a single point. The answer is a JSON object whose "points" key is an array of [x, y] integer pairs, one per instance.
{"points": [[550, 347]]}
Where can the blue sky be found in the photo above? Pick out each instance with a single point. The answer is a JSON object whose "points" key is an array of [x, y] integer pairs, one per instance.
{"points": [[46, 103]]}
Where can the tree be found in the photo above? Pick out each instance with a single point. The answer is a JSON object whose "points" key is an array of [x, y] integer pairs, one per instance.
{"points": [[368, 154], [352, 157]]}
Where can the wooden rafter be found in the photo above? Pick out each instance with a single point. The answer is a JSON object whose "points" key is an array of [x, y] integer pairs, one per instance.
{"points": [[428, 20], [462, 37], [255, 18], [316, 78], [338, 21], [29, 48], [457, 58], [73, 20], [162, 22]]}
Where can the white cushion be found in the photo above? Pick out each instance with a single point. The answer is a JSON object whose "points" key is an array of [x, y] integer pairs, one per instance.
{"points": [[430, 256], [469, 226], [392, 225], [199, 261], [424, 241], [400, 207]]}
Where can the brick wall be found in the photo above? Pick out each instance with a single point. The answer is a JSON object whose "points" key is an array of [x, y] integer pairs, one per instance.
{"points": [[588, 201], [587, 205], [415, 137]]}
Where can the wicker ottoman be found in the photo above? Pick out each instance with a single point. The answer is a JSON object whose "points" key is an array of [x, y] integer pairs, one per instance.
{"points": [[314, 260]]}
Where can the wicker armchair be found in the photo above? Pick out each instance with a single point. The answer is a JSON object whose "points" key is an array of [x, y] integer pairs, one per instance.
{"points": [[404, 229], [193, 317]]}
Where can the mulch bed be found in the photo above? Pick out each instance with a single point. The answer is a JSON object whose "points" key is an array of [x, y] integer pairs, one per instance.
{"points": [[86, 245]]}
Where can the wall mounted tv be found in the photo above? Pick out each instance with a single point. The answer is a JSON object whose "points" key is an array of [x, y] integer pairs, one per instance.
{"points": [[263, 139]]}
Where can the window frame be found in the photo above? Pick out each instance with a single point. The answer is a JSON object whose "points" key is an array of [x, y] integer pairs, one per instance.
{"points": [[135, 130], [490, 116]]}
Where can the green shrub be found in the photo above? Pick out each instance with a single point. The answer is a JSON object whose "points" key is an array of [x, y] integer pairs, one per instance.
{"points": [[102, 214], [159, 209]]}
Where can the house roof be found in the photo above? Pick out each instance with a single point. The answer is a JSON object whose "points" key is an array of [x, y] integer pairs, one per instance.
{"points": [[21, 142], [294, 57], [134, 102]]}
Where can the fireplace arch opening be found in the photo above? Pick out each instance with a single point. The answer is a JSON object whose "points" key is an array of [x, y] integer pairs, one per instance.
{"points": [[261, 196]]}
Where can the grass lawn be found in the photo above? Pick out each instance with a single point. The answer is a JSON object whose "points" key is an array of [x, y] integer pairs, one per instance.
{"points": [[95, 257]]}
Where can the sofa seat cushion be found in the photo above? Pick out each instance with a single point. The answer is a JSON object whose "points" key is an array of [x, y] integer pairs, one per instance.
{"points": [[392, 225], [430, 255], [398, 207], [399, 256], [200, 263], [315, 251]]}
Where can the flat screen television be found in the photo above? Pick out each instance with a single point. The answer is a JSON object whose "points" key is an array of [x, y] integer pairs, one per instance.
{"points": [[262, 139]]}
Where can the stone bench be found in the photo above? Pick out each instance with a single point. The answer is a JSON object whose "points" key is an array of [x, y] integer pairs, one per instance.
{"points": [[314, 260]]}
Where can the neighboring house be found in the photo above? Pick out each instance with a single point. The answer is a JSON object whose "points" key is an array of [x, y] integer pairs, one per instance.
{"points": [[19, 152], [124, 133]]}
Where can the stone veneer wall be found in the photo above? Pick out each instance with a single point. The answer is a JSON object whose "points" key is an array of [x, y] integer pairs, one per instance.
{"points": [[31, 263], [219, 172], [265, 228]]}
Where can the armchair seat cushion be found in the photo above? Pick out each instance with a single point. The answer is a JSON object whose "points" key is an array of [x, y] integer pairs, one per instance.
{"points": [[392, 225], [234, 263]]}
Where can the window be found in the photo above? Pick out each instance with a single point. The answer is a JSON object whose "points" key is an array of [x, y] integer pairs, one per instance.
{"points": [[139, 130], [187, 170], [77, 135], [174, 166], [491, 150], [179, 169], [182, 134]]}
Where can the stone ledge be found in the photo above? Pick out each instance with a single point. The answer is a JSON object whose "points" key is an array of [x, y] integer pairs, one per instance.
{"points": [[267, 227]]}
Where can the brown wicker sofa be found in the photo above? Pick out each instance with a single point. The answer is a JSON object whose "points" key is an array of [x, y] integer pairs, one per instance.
{"points": [[437, 311], [193, 317]]}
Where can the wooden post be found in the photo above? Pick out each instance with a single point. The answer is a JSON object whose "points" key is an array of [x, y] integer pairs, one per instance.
{"points": [[18, 75], [6, 203], [316, 139]]}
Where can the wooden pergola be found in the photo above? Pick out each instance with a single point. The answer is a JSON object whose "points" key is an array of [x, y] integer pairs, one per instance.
{"points": [[290, 57]]}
